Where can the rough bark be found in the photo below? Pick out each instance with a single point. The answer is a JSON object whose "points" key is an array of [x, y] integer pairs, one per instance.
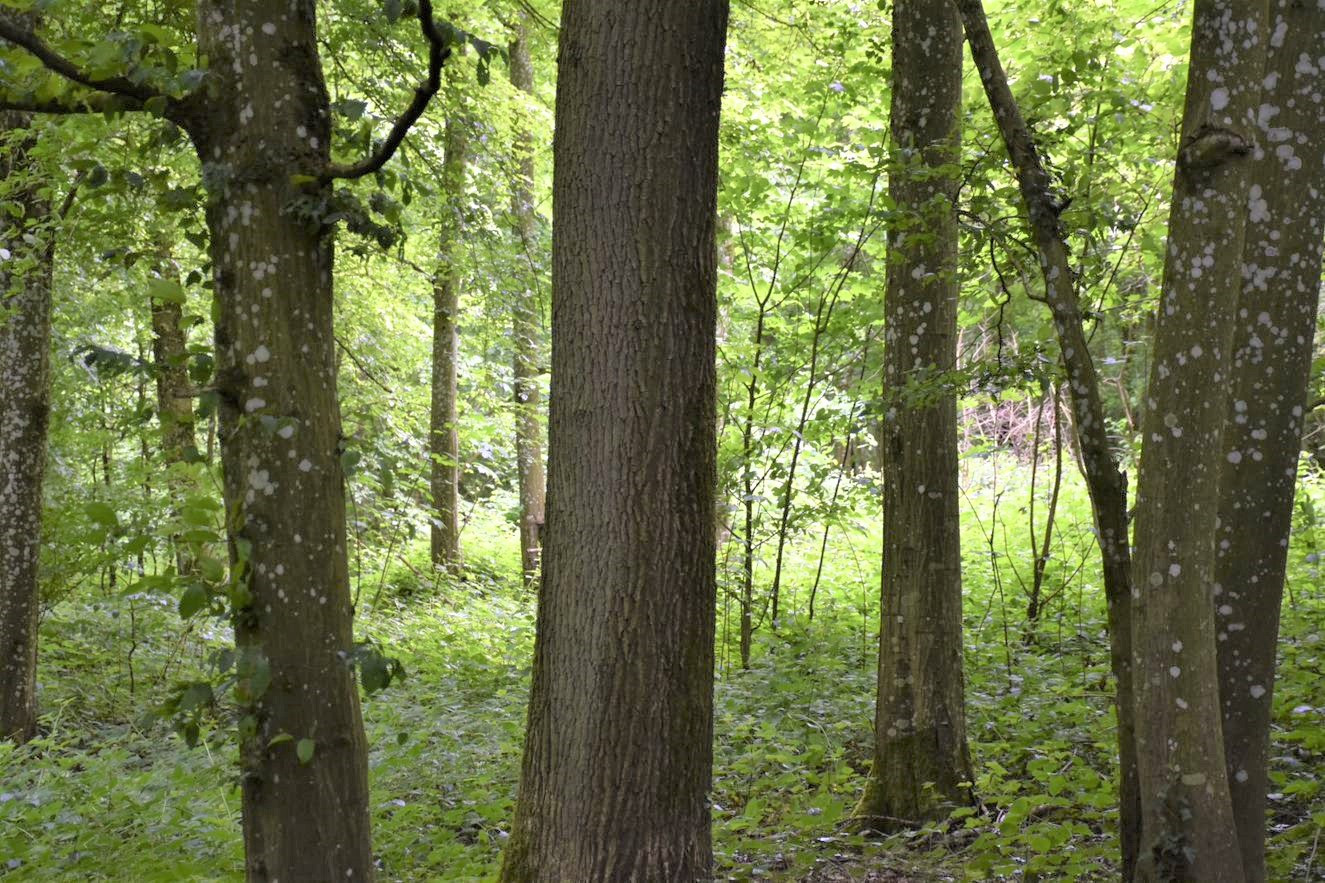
{"points": [[526, 329], [618, 757], [25, 391], [445, 440], [1186, 811], [265, 121], [1105, 481], [922, 764], [1272, 345]]}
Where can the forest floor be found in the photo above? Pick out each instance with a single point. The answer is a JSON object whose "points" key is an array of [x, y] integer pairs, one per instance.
{"points": [[105, 795]]}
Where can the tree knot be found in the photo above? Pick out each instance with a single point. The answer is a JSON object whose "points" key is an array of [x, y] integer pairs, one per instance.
{"points": [[1211, 147]]}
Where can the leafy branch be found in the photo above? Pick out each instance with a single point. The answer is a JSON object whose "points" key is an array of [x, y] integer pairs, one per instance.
{"points": [[439, 50], [121, 86]]}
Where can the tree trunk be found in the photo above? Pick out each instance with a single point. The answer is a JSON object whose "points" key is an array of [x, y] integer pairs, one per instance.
{"points": [[445, 445], [25, 393], [1272, 350], [1186, 812], [266, 121], [526, 329], [174, 402], [1105, 481], [922, 765], [618, 757], [748, 486]]}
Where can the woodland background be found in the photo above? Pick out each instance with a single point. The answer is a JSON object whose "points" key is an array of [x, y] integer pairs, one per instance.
{"points": [[108, 785]]}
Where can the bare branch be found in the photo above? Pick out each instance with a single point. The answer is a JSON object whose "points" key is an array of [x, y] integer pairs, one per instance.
{"points": [[527, 12], [58, 64], [439, 50]]}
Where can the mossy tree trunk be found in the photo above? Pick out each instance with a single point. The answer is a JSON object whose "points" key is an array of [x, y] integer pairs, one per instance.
{"points": [[618, 757], [922, 765], [174, 395], [174, 401]]}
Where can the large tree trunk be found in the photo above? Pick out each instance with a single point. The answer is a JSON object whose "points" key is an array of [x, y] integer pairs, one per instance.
{"points": [[1105, 481], [1186, 811], [1273, 333], [265, 122], [526, 329], [25, 392], [445, 440], [922, 765], [618, 757]]}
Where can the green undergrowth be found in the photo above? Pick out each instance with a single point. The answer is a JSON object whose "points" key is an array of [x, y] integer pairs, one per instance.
{"points": [[105, 795]]}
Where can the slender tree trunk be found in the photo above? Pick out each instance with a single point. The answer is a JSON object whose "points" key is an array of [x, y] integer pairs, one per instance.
{"points": [[174, 402], [265, 122], [748, 486], [823, 314], [922, 765], [526, 329], [1186, 810], [1105, 480], [1037, 600], [1272, 347], [445, 447], [25, 392], [618, 756]]}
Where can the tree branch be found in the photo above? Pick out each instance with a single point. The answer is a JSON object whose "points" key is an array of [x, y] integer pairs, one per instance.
{"points": [[1105, 480], [58, 64], [94, 102], [68, 202], [439, 50]]}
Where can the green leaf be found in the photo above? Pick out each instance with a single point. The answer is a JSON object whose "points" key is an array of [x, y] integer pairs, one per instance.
{"points": [[167, 291], [194, 599], [254, 672], [211, 569], [350, 108], [102, 513], [196, 696], [304, 750]]}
